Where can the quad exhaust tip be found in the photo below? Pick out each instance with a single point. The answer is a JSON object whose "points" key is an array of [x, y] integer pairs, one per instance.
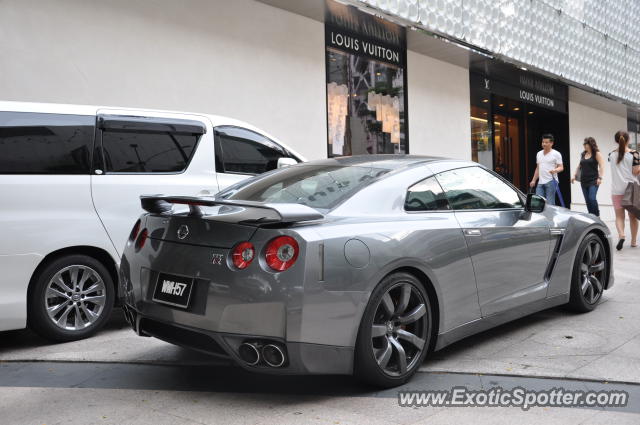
{"points": [[249, 353], [256, 352], [273, 355]]}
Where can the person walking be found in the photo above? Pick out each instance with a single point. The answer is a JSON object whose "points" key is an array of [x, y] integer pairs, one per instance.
{"points": [[549, 164], [625, 165], [591, 170]]}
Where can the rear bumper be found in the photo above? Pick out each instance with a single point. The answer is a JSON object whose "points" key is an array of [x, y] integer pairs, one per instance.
{"points": [[301, 358]]}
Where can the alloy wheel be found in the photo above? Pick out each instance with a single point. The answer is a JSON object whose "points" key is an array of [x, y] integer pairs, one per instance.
{"points": [[75, 297], [592, 271], [399, 329]]}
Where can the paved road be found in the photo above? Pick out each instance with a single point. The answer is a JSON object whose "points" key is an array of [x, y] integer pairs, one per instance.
{"points": [[117, 377], [104, 393]]}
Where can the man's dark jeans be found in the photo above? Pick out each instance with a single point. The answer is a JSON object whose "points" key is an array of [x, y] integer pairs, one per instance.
{"points": [[548, 191]]}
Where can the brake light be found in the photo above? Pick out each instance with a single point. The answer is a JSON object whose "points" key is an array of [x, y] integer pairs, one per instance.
{"points": [[281, 253], [134, 231], [242, 255], [141, 239]]}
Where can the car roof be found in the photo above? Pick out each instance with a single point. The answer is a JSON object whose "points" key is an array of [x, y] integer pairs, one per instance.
{"points": [[387, 161]]}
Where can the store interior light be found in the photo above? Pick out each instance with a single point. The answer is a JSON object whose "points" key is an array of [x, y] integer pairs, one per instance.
{"points": [[501, 105], [484, 120], [485, 100], [516, 109], [530, 112]]}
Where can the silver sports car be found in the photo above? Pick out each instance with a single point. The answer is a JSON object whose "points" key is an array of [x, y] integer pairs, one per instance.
{"points": [[355, 265]]}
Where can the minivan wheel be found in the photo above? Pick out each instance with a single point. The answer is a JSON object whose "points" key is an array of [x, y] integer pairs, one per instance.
{"points": [[71, 299], [590, 274], [394, 333]]}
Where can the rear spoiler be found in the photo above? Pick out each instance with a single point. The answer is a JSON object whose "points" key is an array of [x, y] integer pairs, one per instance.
{"points": [[250, 212]]}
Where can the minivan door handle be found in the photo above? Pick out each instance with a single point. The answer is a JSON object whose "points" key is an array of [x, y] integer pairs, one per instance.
{"points": [[472, 232]]}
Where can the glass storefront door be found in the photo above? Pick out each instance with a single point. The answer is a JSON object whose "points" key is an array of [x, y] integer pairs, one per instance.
{"points": [[481, 147], [507, 140]]}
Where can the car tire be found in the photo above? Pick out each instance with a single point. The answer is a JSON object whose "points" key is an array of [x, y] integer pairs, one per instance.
{"points": [[71, 298], [385, 336], [590, 274]]}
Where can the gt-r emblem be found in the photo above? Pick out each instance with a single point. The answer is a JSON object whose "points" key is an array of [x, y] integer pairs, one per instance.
{"points": [[217, 259], [183, 231]]}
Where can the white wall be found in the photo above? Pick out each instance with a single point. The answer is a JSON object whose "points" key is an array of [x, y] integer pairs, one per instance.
{"points": [[237, 58], [439, 108], [599, 118]]}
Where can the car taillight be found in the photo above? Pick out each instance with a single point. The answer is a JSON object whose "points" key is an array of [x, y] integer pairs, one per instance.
{"points": [[281, 253], [134, 231], [141, 239], [242, 255]]}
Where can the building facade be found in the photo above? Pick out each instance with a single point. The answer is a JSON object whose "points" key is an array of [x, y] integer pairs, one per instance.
{"points": [[341, 78]]}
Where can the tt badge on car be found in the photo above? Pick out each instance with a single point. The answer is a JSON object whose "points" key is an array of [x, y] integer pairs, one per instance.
{"points": [[217, 259]]}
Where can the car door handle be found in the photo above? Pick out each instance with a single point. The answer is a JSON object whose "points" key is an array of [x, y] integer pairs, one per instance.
{"points": [[204, 193], [472, 232]]}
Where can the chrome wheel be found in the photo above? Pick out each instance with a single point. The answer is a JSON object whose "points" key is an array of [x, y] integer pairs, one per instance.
{"points": [[75, 297], [592, 271], [399, 329]]}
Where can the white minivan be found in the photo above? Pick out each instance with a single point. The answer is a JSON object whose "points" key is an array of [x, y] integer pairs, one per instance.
{"points": [[70, 181]]}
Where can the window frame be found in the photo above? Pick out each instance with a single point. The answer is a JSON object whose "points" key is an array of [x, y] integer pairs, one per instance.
{"points": [[431, 176], [101, 163], [219, 151], [521, 196]]}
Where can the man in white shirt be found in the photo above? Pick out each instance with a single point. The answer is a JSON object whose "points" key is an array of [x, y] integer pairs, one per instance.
{"points": [[549, 165]]}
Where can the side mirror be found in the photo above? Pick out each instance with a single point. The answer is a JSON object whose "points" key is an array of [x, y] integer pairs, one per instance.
{"points": [[285, 162], [535, 203]]}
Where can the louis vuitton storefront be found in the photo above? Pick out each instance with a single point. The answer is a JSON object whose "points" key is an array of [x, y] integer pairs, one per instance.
{"points": [[511, 109], [366, 83]]}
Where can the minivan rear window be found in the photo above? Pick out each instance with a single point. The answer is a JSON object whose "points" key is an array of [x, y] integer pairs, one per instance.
{"points": [[318, 186], [147, 152], [37, 143]]}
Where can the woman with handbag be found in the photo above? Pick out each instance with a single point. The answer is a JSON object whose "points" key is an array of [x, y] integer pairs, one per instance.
{"points": [[589, 173], [625, 165]]}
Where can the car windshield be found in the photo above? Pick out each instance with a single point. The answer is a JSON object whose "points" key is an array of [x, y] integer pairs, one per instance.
{"points": [[318, 186]]}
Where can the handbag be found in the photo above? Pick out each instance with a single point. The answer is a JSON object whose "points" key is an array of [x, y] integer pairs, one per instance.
{"points": [[631, 198], [578, 175]]}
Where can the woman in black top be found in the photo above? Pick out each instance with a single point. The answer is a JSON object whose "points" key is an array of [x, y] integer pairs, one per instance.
{"points": [[591, 169]]}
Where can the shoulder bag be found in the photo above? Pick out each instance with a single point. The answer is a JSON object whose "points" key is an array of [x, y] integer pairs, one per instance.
{"points": [[631, 198]]}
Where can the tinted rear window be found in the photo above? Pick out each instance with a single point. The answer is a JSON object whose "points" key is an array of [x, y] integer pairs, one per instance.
{"points": [[32, 143], [246, 152], [147, 152], [321, 187]]}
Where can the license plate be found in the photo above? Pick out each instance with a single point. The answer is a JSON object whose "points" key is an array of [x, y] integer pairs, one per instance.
{"points": [[173, 290]]}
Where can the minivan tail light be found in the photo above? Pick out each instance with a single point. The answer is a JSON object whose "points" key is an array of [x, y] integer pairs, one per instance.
{"points": [[281, 253], [134, 231], [242, 255], [142, 239]]}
